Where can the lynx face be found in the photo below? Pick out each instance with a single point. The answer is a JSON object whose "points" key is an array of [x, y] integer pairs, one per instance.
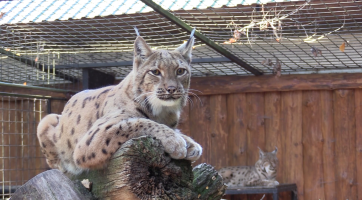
{"points": [[267, 164], [165, 75]]}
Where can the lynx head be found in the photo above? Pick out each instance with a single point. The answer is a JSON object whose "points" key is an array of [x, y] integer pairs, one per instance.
{"points": [[162, 77], [267, 164]]}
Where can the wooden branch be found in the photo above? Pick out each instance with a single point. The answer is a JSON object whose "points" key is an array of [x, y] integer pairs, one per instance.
{"points": [[269, 83], [51, 185], [140, 169]]}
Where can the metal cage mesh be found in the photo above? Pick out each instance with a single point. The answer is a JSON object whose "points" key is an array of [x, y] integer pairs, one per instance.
{"points": [[291, 32], [21, 158]]}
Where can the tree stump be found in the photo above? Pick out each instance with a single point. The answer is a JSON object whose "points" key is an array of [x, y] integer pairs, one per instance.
{"points": [[141, 170]]}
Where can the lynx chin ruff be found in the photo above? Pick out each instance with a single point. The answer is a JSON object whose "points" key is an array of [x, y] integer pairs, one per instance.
{"points": [[95, 123], [262, 174]]}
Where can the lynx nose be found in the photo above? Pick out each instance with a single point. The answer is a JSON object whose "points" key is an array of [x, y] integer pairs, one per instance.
{"points": [[171, 89]]}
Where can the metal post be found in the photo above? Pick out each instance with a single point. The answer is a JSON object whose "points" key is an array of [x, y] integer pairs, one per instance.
{"points": [[85, 76], [49, 106]]}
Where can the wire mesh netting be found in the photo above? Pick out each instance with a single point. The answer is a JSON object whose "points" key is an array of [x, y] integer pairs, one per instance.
{"points": [[306, 36], [302, 36], [21, 157]]}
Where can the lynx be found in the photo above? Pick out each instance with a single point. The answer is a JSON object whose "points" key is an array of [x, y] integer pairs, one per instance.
{"points": [[95, 123], [262, 174]]}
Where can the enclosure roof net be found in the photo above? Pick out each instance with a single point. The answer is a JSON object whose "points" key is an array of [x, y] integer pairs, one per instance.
{"points": [[318, 36], [50, 10]]}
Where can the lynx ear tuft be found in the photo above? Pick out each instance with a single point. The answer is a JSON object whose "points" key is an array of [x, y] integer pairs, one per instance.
{"points": [[261, 153], [141, 48], [186, 48], [137, 33], [275, 151]]}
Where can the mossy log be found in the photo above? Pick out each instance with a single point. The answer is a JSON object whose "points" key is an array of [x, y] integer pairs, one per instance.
{"points": [[141, 170]]}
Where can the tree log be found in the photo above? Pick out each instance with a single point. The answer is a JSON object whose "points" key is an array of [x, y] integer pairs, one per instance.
{"points": [[51, 185], [139, 170]]}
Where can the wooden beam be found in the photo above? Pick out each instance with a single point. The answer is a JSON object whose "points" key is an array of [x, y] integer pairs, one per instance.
{"points": [[36, 91], [269, 83]]}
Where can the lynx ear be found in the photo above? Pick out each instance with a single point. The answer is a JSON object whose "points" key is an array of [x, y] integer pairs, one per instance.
{"points": [[261, 153], [141, 48], [186, 48], [275, 151]]}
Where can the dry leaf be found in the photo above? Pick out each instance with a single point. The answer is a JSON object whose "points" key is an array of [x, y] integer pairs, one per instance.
{"points": [[316, 51], [342, 47], [87, 184], [2, 14], [277, 69], [268, 62], [237, 34], [231, 40]]}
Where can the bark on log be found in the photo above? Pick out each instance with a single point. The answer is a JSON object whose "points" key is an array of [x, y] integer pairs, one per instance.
{"points": [[51, 185], [140, 169]]}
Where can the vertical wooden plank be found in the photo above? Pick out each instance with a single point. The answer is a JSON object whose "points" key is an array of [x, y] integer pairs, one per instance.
{"points": [[237, 140], [291, 124], [14, 143], [40, 110], [358, 103], [218, 131], [236, 121], [273, 133], [255, 128], [312, 140], [200, 127], [345, 132], [328, 146], [57, 106]]}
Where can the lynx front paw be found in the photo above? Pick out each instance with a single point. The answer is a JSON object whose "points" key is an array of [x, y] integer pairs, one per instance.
{"points": [[194, 151], [175, 146], [272, 183]]}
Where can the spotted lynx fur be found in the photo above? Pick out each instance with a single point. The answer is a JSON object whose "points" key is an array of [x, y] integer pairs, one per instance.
{"points": [[262, 174], [95, 123]]}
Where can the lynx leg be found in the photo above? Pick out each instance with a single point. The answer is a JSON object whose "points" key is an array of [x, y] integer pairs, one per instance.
{"points": [[107, 135], [46, 133]]}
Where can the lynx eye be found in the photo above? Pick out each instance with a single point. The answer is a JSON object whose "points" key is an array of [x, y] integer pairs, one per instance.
{"points": [[180, 71], [156, 72]]}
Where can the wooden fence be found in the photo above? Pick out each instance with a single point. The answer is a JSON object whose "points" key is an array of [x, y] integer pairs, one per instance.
{"points": [[318, 134], [314, 120]]}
